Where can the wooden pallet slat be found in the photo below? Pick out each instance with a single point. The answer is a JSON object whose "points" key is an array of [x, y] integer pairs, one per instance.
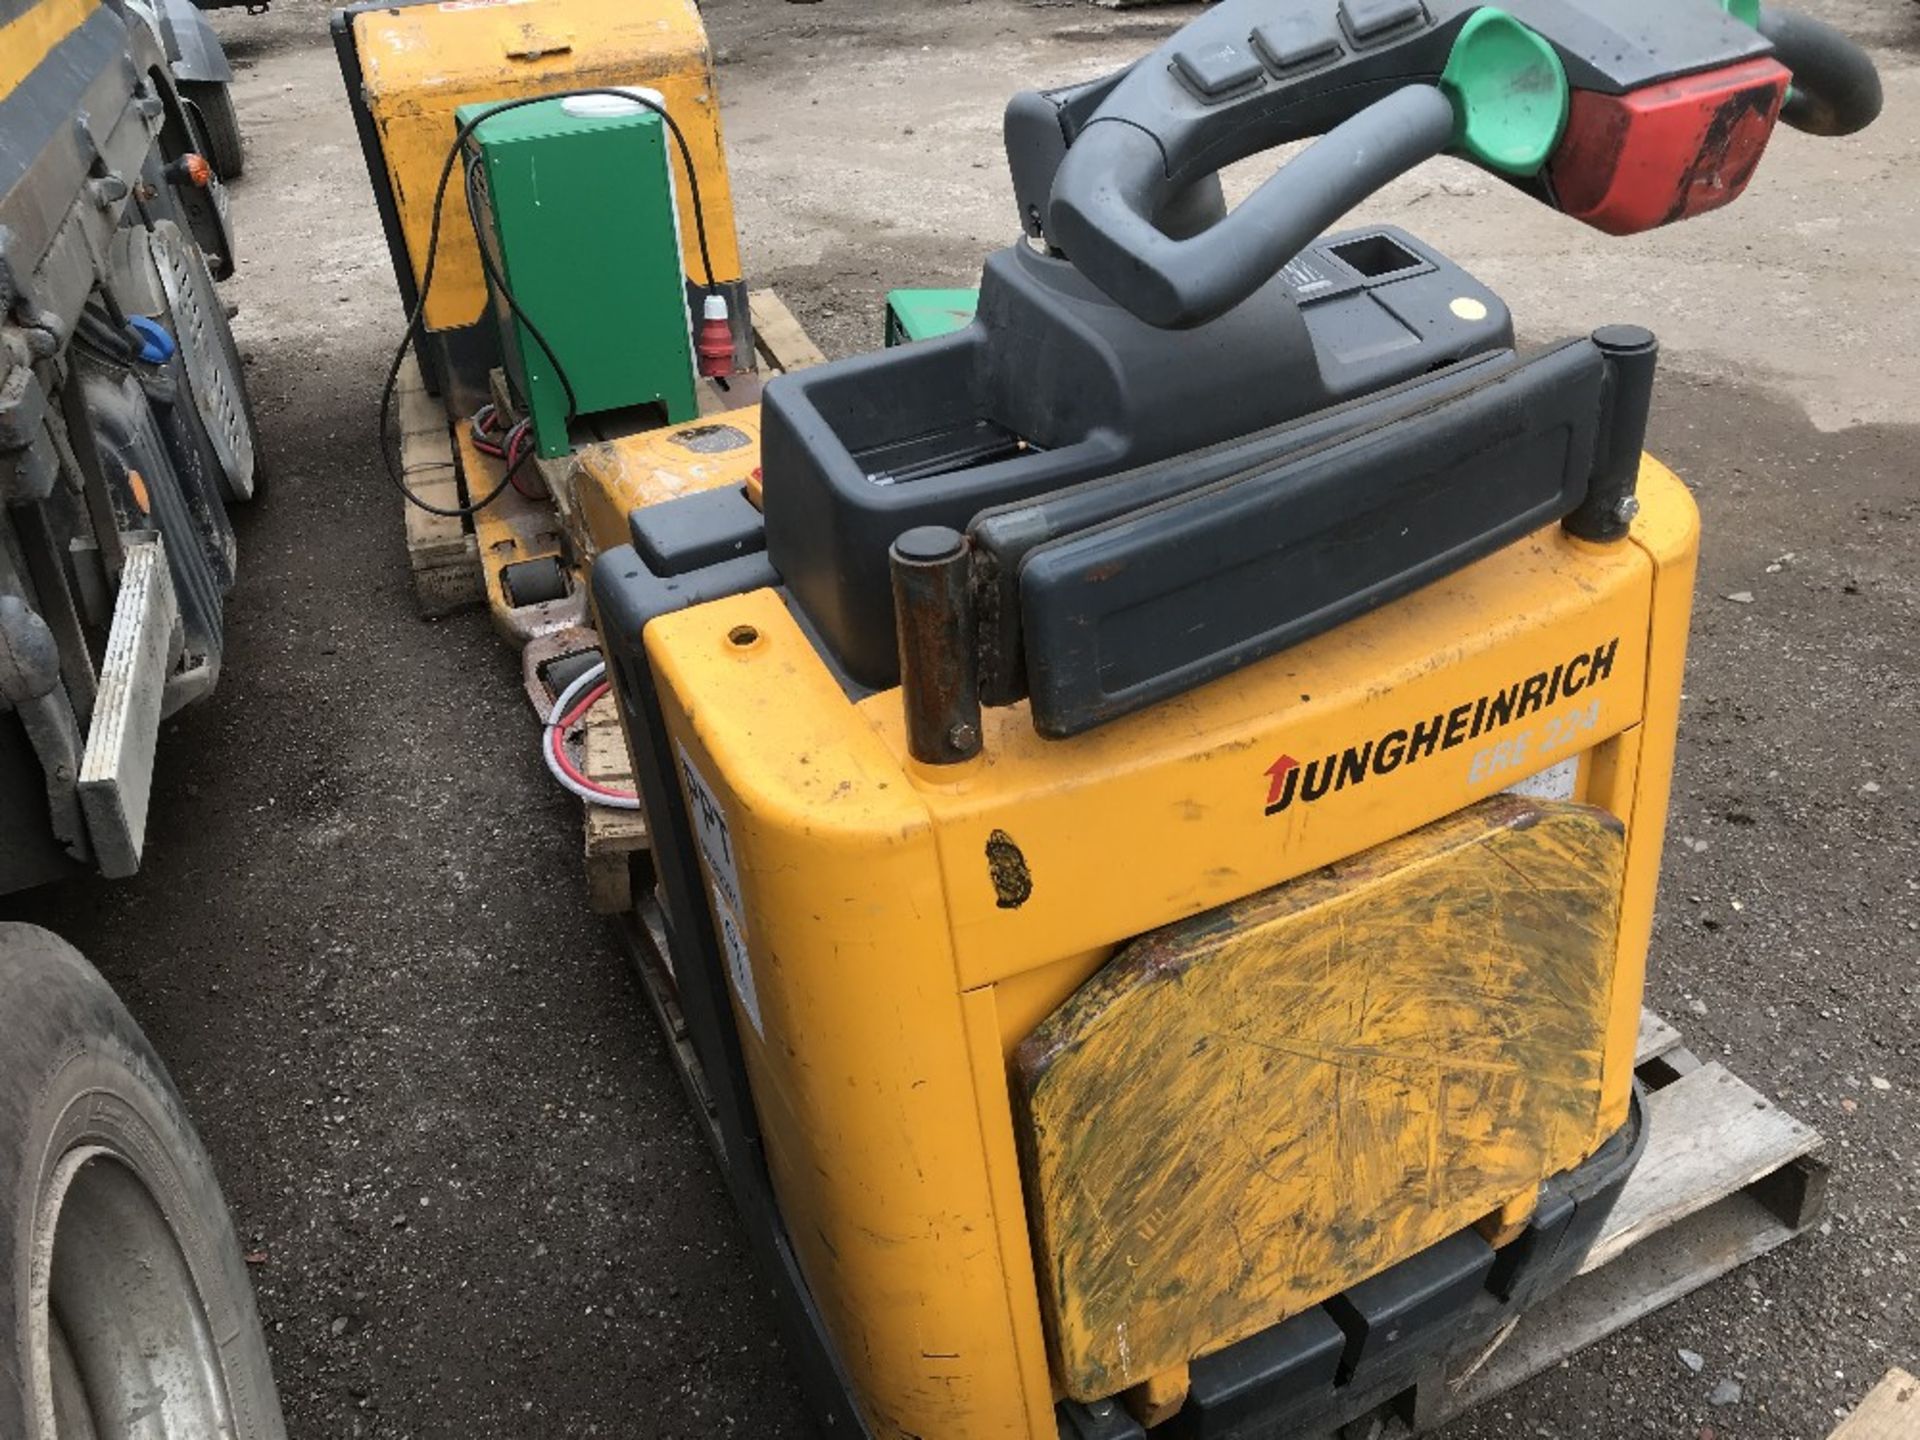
{"points": [[1727, 1176], [1891, 1411], [1657, 1037], [1710, 1134], [443, 557], [779, 338], [612, 837]]}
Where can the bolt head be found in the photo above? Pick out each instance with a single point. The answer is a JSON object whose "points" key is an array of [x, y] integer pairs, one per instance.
{"points": [[107, 190], [963, 737], [1626, 509]]}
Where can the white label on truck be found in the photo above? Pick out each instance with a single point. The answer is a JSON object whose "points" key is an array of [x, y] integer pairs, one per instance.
{"points": [[739, 966], [710, 825], [1554, 783], [723, 877]]}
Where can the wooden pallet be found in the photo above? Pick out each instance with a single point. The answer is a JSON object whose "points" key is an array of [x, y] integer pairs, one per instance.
{"points": [[779, 341], [1891, 1411], [1727, 1176], [612, 837], [441, 553]]}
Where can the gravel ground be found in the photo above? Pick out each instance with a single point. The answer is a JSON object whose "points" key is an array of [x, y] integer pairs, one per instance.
{"points": [[439, 1108]]}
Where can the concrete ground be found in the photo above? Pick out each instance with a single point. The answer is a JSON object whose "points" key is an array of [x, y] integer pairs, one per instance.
{"points": [[440, 1111]]}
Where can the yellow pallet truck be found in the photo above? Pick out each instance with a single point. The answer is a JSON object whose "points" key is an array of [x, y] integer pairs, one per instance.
{"points": [[1156, 795]]}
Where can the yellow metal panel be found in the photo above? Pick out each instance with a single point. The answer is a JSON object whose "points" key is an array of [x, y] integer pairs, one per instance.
{"points": [[984, 1029], [854, 1033], [510, 530], [421, 62], [1022, 1001], [1668, 531], [1249, 1111], [30, 36]]}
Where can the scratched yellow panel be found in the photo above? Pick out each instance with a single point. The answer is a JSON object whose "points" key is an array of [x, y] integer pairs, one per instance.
{"points": [[616, 477], [1246, 1112]]}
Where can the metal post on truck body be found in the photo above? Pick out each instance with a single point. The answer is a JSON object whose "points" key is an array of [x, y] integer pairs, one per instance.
{"points": [[939, 682], [1632, 354]]}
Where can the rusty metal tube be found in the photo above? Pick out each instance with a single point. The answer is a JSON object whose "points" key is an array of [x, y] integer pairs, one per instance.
{"points": [[933, 622]]}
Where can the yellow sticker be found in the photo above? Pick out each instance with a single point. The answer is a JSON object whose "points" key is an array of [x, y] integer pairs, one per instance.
{"points": [[1468, 308]]}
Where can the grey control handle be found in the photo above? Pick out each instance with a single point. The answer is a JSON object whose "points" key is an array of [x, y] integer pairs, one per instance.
{"points": [[1113, 182], [1836, 89]]}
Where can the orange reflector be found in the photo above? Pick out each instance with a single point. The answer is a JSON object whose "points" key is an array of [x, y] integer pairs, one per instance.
{"points": [[191, 168]]}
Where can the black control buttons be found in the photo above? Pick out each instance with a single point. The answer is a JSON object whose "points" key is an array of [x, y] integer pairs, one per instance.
{"points": [[1295, 42], [1368, 21], [1214, 72]]}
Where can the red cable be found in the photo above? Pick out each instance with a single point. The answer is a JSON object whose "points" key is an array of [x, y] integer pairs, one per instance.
{"points": [[579, 712], [514, 459], [558, 738]]}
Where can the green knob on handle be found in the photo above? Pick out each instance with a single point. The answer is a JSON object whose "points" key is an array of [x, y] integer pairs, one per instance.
{"points": [[1509, 93]]}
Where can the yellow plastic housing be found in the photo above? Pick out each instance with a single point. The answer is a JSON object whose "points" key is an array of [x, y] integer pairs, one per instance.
{"points": [[419, 63], [896, 931], [613, 478]]}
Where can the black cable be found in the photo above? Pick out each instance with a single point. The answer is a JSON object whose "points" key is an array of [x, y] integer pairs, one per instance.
{"points": [[499, 283], [414, 329]]}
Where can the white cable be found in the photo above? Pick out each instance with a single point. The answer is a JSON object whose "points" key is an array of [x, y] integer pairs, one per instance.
{"points": [[548, 739]]}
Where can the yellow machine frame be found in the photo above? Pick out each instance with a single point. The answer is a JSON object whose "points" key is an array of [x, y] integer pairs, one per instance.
{"points": [[881, 981]]}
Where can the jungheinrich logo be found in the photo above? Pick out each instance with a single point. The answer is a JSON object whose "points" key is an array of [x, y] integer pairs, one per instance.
{"points": [[1290, 780]]}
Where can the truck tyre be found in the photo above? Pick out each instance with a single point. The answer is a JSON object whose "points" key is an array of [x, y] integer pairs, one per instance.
{"points": [[221, 123], [125, 1308]]}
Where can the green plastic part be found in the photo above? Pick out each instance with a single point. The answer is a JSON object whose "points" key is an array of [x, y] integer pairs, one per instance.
{"points": [[1747, 12], [578, 214], [925, 314], [1509, 92]]}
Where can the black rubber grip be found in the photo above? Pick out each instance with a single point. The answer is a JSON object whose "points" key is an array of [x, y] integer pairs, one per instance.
{"points": [[1836, 89], [1112, 185]]}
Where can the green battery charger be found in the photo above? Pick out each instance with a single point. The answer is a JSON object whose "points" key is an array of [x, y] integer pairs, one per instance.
{"points": [[573, 201]]}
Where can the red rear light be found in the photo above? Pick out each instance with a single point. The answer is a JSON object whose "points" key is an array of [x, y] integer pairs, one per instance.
{"points": [[1627, 163]]}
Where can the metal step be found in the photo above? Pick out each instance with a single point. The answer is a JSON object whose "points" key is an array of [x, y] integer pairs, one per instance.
{"points": [[116, 774]]}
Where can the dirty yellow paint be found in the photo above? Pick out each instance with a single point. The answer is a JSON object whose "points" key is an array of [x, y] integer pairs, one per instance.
{"points": [[891, 987], [420, 63], [614, 478], [870, 1108], [1642, 776], [1159, 1397], [509, 530], [1502, 1227], [1163, 813], [1248, 1111], [30, 36], [999, 1150]]}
